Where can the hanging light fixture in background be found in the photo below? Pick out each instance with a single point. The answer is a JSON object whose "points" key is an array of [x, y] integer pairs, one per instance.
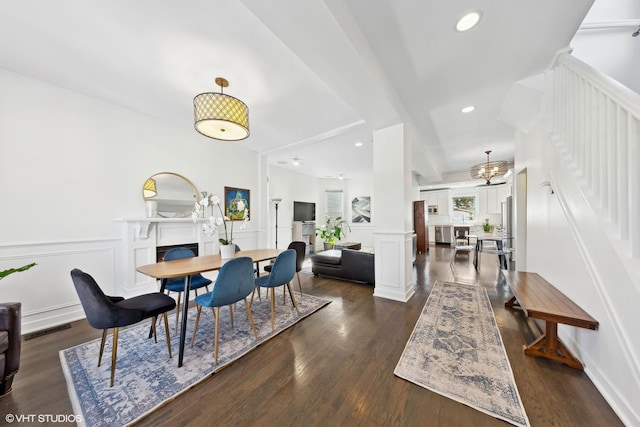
{"points": [[489, 169], [221, 116]]}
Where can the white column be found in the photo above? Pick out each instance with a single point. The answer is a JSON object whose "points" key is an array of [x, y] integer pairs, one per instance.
{"points": [[392, 211]]}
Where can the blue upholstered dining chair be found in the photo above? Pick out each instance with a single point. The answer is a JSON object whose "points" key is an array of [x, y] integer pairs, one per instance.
{"points": [[235, 282], [300, 248], [176, 284], [105, 312], [282, 272]]}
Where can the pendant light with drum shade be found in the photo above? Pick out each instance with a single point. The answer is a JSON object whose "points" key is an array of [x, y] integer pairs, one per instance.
{"points": [[220, 116], [489, 169]]}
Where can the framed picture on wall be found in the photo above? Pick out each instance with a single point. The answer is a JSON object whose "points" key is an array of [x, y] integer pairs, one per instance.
{"points": [[236, 203], [361, 209]]}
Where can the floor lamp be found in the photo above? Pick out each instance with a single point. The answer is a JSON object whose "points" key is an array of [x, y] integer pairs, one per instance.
{"points": [[276, 201]]}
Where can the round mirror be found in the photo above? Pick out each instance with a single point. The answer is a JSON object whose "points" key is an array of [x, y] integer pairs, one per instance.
{"points": [[169, 195]]}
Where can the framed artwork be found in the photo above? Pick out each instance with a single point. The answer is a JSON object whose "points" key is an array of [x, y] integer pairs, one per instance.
{"points": [[361, 209], [236, 203]]}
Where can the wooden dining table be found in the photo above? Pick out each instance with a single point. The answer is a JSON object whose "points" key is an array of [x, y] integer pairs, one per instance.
{"points": [[200, 264]]}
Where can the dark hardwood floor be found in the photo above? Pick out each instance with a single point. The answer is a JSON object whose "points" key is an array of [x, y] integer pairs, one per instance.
{"points": [[335, 368]]}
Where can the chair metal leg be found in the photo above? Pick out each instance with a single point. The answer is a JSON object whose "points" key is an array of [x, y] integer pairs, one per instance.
{"points": [[453, 257], [114, 352], [153, 327], [104, 337], [250, 317], [254, 291], [166, 332], [217, 333], [178, 311], [231, 314], [273, 311], [293, 299], [195, 327], [299, 283]]}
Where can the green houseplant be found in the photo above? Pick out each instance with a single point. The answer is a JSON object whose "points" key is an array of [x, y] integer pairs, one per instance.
{"points": [[486, 227], [5, 273], [332, 230]]}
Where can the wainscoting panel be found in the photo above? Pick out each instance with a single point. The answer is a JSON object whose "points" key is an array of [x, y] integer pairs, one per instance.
{"points": [[46, 291], [393, 266]]}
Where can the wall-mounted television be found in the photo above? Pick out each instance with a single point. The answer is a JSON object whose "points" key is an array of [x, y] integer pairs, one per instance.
{"points": [[304, 211]]}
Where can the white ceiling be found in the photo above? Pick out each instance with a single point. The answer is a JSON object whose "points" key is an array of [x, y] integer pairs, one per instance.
{"points": [[317, 75]]}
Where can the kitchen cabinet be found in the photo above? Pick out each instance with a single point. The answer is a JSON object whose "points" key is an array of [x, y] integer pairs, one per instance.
{"points": [[439, 198], [443, 202], [490, 198], [431, 198]]}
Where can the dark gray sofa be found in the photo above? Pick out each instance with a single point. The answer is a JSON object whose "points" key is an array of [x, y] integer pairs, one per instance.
{"points": [[345, 264]]}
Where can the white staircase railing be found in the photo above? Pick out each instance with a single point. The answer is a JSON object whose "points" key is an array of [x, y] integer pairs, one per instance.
{"points": [[597, 121], [594, 166]]}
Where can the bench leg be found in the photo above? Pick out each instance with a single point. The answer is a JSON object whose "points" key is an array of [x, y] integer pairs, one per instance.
{"points": [[549, 346], [513, 302]]}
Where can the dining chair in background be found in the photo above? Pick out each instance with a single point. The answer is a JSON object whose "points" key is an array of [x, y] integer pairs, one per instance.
{"points": [[457, 248], [234, 283], [176, 284], [105, 312], [300, 248], [461, 234], [282, 272]]}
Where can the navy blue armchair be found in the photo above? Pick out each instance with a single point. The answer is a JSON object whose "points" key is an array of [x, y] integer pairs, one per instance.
{"points": [[105, 312]]}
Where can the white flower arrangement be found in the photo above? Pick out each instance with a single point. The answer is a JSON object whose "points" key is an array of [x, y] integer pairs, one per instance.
{"points": [[211, 227]]}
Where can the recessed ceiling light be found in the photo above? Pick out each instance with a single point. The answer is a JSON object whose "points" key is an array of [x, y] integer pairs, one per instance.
{"points": [[468, 109], [468, 21], [296, 161], [358, 144]]}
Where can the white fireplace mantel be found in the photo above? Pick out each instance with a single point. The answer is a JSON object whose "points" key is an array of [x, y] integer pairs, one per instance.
{"points": [[142, 237]]}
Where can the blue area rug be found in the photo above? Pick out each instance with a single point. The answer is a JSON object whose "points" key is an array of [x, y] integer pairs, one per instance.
{"points": [[456, 350], [145, 376]]}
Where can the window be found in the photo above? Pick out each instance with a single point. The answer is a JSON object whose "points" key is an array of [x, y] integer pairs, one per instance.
{"points": [[333, 203], [464, 208]]}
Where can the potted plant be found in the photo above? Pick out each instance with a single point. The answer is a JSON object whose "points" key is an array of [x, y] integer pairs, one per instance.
{"points": [[331, 231], [487, 228]]}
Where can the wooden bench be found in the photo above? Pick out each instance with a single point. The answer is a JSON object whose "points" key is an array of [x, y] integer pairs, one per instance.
{"points": [[541, 300]]}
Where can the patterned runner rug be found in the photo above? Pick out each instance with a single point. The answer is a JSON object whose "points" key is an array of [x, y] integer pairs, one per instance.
{"points": [[456, 350], [145, 376]]}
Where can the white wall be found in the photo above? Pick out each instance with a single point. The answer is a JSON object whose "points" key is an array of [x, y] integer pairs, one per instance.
{"points": [[69, 167], [593, 280], [289, 186], [360, 232]]}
